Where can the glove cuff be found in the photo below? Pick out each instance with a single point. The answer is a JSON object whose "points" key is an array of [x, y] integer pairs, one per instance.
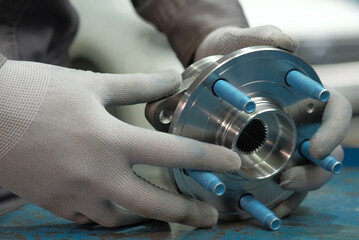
{"points": [[22, 88], [2, 60], [187, 22]]}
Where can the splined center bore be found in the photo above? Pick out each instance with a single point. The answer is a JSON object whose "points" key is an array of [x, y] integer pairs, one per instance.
{"points": [[252, 137], [264, 139]]}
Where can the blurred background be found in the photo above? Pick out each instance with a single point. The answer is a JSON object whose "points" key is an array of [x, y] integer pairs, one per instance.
{"points": [[113, 39]]}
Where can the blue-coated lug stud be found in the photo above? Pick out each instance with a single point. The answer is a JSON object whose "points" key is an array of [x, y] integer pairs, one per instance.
{"points": [[328, 163], [207, 180], [260, 212], [233, 96], [307, 86]]}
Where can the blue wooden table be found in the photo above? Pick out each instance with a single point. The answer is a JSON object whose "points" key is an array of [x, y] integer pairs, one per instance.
{"points": [[329, 213]]}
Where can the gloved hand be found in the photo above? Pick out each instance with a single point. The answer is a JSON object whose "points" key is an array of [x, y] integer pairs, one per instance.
{"points": [[229, 39], [335, 122], [60, 149], [326, 141]]}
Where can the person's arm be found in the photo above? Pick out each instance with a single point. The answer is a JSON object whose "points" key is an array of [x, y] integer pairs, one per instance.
{"points": [[39, 31], [187, 23]]}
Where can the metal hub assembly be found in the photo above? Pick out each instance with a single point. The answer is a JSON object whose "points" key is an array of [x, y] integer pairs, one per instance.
{"points": [[261, 102]]}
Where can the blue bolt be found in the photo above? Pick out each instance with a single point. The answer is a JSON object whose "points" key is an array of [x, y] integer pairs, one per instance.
{"points": [[328, 163], [233, 96], [307, 86], [260, 212], [207, 180]]}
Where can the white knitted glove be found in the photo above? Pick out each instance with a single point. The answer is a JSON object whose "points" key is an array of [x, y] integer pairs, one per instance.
{"points": [[229, 39], [60, 148], [326, 141], [335, 121]]}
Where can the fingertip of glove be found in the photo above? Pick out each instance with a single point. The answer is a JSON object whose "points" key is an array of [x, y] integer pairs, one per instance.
{"points": [[286, 207], [281, 40], [208, 216], [212, 217], [293, 44], [233, 161], [285, 180], [318, 149], [165, 83], [291, 179], [171, 74], [284, 184], [236, 161], [304, 178]]}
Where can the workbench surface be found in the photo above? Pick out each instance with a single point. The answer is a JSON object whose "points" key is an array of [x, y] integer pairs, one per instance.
{"points": [[329, 213]]}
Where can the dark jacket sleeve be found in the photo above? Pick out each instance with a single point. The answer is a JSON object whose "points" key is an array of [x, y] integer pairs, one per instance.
{"points": [[39, 31], [187, 22], [2, 60]]}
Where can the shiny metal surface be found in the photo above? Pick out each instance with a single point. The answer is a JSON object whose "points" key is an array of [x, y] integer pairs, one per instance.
{"points": [[264, 139], [267, 140]]}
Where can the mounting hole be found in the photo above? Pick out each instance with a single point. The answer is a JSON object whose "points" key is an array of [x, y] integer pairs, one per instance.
{"points": [[252, 136], [310, 108], [165, 116]]}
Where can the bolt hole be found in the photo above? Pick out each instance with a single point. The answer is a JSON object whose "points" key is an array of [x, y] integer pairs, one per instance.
{"points": [[310, 108], [252, 137], [165, 116]]}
